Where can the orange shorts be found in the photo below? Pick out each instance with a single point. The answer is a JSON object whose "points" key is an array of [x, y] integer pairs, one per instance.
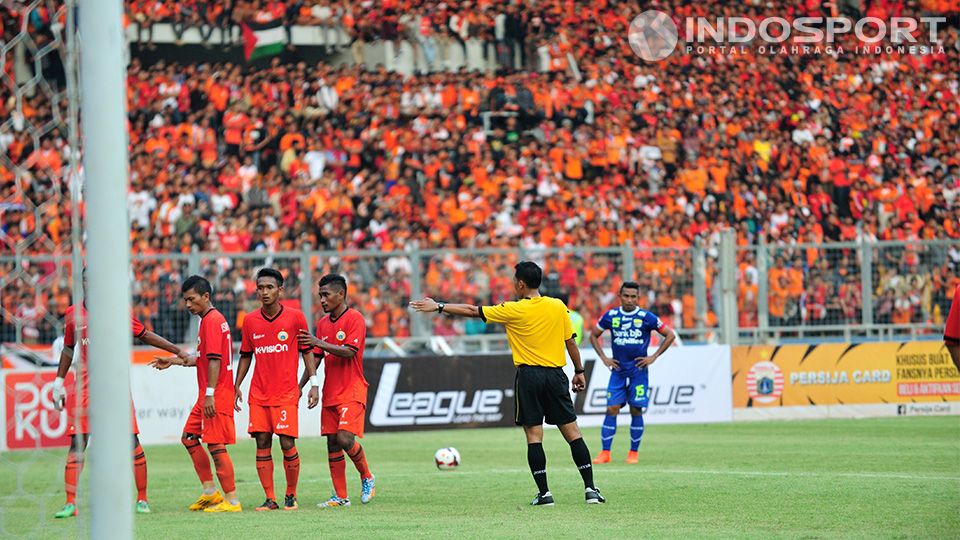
{"points": [[279, 419], [80, 423], [347, 416], [216, 430]]}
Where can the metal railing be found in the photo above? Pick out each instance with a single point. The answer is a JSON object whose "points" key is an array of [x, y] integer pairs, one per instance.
{"points": [[713, 291]]}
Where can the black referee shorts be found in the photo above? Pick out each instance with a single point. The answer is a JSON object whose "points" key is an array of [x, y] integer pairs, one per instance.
{"points": [[542, 393]]}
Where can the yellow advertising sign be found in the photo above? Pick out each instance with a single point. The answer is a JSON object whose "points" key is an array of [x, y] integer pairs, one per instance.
{"points": [[843, 374]]}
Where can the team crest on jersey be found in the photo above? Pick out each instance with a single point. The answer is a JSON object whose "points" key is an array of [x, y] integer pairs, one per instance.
{"points": [[283, 335], [341, 335]]}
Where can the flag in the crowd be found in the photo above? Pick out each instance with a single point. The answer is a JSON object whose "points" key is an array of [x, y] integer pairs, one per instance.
{"points": [[263, 39]]}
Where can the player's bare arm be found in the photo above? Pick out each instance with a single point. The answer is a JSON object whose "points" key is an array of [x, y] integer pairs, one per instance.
{"points": [[953, 347], [213, 374], [242, 368], [310, 364], [159, 342], [579, 382], [59, 393], [429, 305], [669, 337], [163, 362], [598, 346], [305, 338]]}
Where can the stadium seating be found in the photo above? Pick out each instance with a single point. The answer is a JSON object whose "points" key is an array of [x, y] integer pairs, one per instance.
{"points": [[226, 158]]}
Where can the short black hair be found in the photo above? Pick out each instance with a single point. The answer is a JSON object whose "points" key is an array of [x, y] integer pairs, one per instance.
{"points": [[630, 285], [198, 284], [336, 280], [271, 273], [529, 273]]}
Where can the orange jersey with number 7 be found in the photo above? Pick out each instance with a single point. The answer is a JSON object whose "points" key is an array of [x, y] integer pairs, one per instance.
{"points": [[343, 377]]}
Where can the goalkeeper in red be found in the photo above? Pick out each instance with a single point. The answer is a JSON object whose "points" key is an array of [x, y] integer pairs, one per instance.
{"points": [[269, 334], [340, 339], [211, 419], [78, 425]]}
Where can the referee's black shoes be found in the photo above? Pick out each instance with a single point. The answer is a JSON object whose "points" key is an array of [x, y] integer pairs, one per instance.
{"points": [[592, 495], [544, 499]]}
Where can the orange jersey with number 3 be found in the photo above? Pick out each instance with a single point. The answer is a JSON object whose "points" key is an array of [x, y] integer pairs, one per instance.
{"points": [[273, 343]]}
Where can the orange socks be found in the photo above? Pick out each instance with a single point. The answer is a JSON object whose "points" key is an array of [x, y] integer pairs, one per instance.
{"points": [[338, 472], [71, 474], [201, 463], [359, 459], [140, 472], [265, 471], [291, 466], [224, 466]]}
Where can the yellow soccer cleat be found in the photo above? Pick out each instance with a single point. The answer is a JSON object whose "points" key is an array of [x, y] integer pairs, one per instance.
{"points": [[224, 506], [206, 501]]}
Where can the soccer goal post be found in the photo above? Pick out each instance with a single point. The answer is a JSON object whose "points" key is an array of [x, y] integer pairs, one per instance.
{"points": [[105, 171]]}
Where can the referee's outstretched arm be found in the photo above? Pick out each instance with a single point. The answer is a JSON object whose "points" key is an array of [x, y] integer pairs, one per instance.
{"points": [[429, 305]]}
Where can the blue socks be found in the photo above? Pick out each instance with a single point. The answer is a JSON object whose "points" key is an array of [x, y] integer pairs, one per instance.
{"points": [[636, 431], [608, 431]]}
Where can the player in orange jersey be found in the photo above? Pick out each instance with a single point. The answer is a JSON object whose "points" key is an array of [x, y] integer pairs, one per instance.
{"points": [[340, 339], [211, 419], [270, 334], [78, 425]]}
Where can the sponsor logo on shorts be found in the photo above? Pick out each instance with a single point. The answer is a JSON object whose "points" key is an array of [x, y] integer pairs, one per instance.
{"points": [[283, 426]]}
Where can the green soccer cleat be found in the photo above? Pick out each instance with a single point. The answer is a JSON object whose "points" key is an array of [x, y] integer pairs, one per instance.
{"points": [[68, 510], [143, 507]]}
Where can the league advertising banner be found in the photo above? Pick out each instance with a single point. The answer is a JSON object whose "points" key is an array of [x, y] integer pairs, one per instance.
{"points": [[842, 375], [439, 392], [687, 385]]}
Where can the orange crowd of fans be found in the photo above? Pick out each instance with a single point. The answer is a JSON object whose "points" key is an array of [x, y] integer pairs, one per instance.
{"points": [[785, 149]]}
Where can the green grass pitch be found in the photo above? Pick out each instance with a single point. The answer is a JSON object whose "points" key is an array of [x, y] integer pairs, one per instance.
{"points": [[897, 477]]}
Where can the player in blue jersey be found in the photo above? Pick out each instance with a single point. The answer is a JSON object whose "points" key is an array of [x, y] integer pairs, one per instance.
{"points": [[629, 380]]}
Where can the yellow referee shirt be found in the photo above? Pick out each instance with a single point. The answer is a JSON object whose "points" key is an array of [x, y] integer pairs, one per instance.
{"points": [[536, 329]]}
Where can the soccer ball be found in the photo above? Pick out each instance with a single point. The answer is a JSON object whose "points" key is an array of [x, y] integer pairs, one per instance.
{"points": [[447, 458]]}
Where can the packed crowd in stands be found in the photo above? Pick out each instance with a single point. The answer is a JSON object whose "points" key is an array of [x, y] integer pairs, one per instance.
{"points": [[785, 149]]}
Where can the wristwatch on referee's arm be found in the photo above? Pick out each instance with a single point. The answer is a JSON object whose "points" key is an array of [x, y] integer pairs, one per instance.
{"points": [[578, 371], [439, 307]]}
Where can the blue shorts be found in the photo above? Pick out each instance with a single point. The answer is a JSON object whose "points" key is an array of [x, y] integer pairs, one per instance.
{"points": [[629, 386]]}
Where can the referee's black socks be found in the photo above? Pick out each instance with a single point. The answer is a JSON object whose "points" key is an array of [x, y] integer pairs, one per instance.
{"points": [[581, 456], [538, 465]]}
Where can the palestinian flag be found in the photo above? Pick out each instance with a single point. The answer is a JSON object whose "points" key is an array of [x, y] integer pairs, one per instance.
{"points": [[263, 39]]}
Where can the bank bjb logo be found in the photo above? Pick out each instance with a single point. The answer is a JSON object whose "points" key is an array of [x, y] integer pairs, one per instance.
{"points": [[765, 382]]}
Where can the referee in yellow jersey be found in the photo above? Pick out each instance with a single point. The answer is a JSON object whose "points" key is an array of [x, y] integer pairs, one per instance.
{"points": [[538, 329]]}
